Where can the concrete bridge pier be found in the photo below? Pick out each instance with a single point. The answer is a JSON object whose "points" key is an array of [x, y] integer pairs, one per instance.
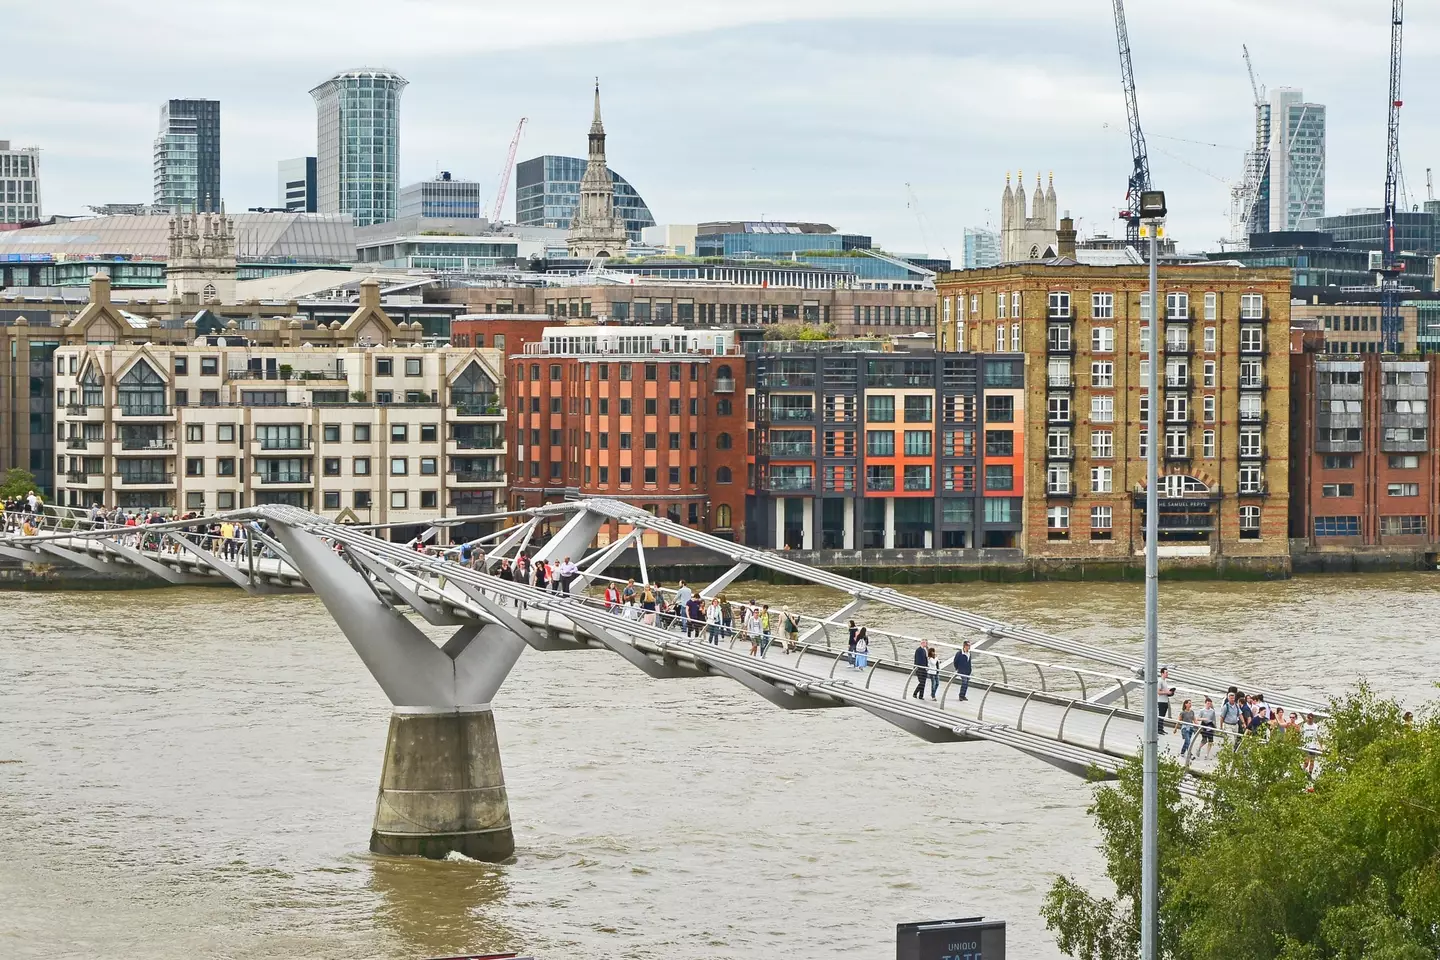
{"points": [[442, 787]]}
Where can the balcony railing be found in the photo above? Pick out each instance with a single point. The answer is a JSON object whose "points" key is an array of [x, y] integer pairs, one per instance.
{"points": [[246, 374], [1252, 416], [917, 483], [724, 384], [1060, 380], [786, 380], [284, 443], [798, 449], [78, 443], [479, 476], [1054, 345], [790, 484], [476, 404], [146, 444], [1252, 383], [76, 409], [1177, 382], [77, 477], [478, 443], [146, 479], [1060, 453], [879, 483], [792, 413], [1177, 346], [292, 476], [144, 409]]}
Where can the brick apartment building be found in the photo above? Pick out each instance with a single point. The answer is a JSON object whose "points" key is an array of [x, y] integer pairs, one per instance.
{"points": [[647, 415], [854, 446], [1084, 332], [1364, 462]]}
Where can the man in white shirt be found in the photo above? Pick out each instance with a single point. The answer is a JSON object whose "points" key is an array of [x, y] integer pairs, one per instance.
{"points": [[1163, 692], [568, 572]]}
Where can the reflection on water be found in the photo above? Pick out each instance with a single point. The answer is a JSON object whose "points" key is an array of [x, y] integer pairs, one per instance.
{"points": [[195, 775]]}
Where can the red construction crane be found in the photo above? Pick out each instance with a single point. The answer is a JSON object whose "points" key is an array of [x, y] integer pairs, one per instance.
{"points": [[505, 173]]}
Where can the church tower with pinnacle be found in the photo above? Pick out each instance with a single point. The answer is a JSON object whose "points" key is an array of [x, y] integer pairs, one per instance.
{"points": [[595, 230]]}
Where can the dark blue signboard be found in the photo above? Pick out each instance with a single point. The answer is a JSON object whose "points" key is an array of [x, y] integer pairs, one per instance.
{"points": [[971, 938]]}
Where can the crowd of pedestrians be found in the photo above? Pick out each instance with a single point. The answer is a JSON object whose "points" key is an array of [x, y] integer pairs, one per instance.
{"points": [[1239, 717]]}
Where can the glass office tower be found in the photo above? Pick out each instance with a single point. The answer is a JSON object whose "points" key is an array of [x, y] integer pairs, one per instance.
{"points": [[547, 193], [1297, 159], [187, 156], [358, 144]]}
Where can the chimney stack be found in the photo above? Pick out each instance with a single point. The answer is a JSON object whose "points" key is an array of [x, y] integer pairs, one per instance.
{"points": [[1065, 237]]}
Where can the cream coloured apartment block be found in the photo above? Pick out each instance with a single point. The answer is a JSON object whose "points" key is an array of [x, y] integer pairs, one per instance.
{"points": [[400, 433]]}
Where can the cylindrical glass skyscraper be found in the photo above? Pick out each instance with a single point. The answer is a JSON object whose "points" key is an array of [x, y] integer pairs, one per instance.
{"points": [[358, 144]]}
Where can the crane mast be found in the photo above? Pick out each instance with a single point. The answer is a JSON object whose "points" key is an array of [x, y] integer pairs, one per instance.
{"points": [[1391, 324], [1140, 171], [505, 173]]}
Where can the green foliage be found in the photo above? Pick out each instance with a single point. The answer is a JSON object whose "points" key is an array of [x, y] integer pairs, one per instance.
{"points": [[1260, 868], [17, 483], [799, 331]]}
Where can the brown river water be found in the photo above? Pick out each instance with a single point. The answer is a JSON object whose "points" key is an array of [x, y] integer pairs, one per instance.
{"points": [[192, 774]]}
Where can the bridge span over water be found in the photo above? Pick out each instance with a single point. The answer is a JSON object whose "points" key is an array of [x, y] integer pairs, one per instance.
{"points": [[1071, 704]]}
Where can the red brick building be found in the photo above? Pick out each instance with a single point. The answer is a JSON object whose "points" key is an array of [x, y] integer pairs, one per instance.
{"points": [[647, 415], [1364, 464]]}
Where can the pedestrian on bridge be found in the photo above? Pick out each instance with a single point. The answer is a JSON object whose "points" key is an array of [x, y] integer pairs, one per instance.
{"points": [[764, 629], [752, 627], [569, 570], [792, 632], [727, 616], [1164, 690], [862, 650], [922, 666], [934, 673], [628, 593], [1187, 728], [714, 621], [612, 598], [854, 632], [1208, 722], [694, 616], [647, 604], [963, 666]]}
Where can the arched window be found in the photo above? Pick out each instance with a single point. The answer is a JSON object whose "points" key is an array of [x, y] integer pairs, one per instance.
{"points": [[474, 390], [722, 516], [722, 372], [1034, 253], [142, 391], [210, 291], [722, 475], [723, 407], [722, 442], [1179, 485]]}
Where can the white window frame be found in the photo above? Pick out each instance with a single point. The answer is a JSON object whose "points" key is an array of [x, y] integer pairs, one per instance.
{"points": [[1102, 518], [1207, 445], [1102, 339], [1059, 304], [1252, 306], [1015, 338], [1209, 339], [1102, 373], [1209, 374], [1057, 518], [1211, 305], [1000, 300], [1102, 480], [1102, 445], [1102, 306], [1102, 409]]}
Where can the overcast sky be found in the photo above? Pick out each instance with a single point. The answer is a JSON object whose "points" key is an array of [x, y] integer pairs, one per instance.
{"points": [[737, 109]]}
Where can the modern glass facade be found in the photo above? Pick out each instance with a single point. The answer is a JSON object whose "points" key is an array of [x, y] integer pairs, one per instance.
{"points": [[547, 193], [19, 184], [187, 156], [777, 240], [297, 185], [358, 144], [1297, 159], [442, 197], [982, 248], [1415, 231]]}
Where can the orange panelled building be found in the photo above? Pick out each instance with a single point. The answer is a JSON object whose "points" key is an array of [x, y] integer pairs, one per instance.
{"points": [[646, 415]]}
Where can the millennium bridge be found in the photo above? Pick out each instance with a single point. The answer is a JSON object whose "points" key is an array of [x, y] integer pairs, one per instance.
{"points": [[1073, 705]]}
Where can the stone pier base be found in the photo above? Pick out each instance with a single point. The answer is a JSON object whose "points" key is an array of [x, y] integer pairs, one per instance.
{"points": [[442, 787]]}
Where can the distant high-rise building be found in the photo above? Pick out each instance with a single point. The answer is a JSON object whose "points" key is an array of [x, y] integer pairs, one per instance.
{"points": [[296, 184], [442, 197], [187, 156], [1296, 184], [982, 248], [358, 144], [19, 183]]}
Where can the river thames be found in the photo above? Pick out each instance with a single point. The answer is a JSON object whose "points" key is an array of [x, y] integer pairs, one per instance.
{"points": [[193, 774]]}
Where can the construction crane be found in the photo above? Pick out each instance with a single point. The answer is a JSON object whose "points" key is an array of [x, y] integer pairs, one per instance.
{"points": [[505, 173], [1391, 267], [1140, 171], [1245, 197]]}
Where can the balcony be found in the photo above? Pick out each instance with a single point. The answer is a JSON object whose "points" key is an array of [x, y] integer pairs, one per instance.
{"points": [[785, 381], [147, 479], [792, 414], [84, 410], [477, 443], [1177, 456], [479, 476], [1252, 383], [1055, 345], [1253, 490], [1178, 382], [793, 484], [724, 385], [243, 373], [1060, 380], [80, 443], [77, 477], [1060, 453], [799, 449], [1177, 346], [147, 445], [1060, 492], [1061, 419], [918, 484], [476, 405], [1253, 453], [283, 443], [143, 410], [880, 484], [1253, 416], [289, 476]]}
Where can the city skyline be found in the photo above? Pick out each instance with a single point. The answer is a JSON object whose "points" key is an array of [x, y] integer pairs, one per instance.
{"points": [[807, 151]]}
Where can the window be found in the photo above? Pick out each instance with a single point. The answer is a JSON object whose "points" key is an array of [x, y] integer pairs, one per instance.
{"points": [[1101, 520], [651, 441], [1402, 526], [674, 439], [723, 475], [1177, 443], [652, 371], [412, 366], [1102, 339], [919, 409], [1337, 490], [1015, 304], [428, 466], [1250, 442], [650, 474], [1057, 518], [384, 396], [999, 409], [1057, 443], [999, 443], [1251, 340], [999, 476], [1207, 444], [675, 407], [399, 432], [1057, 372], [1057, 480], [625, 476], [1177, 409], [1015, 337], [331, 432], [1402, 490], [1145, 340], [723, 441], [1252, 306], [360, 467], [918, 443], [1057, 338], [195, 432], [1210, 306], [210, 366], [880, 443], [225, 432], [1102, 409], [225, 467], [674, 476], [384, 367], [1209, 335], [1000, 299], [429, 432], [880, 409], [194, 467], [1102, 306], [330, 466], [1102, 480], [917, 477], [1250, 408], [1251, 480], [181, 366], [1144, 438], [1059, 304], [1404, 406], [1209, 373], [625, 403], [1250, 522], [1145, 373], [1145, 306], [398, 499], [1102, 373], [1102, 444], [1396, 462], [650, 406], [1347, 462], [999, 338], [1337, 526], [362, 433], [331, 499], [1057, 409], [361, 500]]}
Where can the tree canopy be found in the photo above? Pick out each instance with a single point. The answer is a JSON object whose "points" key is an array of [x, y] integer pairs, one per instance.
{"points": [[1262, 867], [17, 482]]}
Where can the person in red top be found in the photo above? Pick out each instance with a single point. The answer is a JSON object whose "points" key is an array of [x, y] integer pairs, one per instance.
{"points": [[612, 597]]}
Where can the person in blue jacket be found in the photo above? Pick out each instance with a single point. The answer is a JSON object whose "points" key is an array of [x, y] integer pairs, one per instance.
{"points": [[962, 667]]}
